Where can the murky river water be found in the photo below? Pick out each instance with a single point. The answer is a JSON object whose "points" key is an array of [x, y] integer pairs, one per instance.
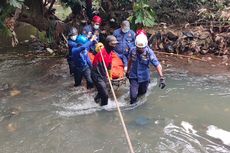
{"points": [[41, 112]]}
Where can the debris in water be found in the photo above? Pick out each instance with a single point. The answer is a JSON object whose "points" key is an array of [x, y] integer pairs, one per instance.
{"points": [[15, 92], [11, 127]]}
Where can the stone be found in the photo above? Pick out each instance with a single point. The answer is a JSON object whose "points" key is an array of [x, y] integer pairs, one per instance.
{"points": [[49, 50]]}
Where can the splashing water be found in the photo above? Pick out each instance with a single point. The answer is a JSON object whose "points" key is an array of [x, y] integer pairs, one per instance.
{"points": [[84, 102]]}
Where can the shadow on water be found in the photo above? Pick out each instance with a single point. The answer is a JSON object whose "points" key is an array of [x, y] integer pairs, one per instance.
{"points": [[41, 111]]}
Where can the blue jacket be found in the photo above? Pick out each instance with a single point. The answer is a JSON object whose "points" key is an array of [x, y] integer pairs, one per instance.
{"points": [[140, 64], [79, 54], [88, 31], [126, 41]]}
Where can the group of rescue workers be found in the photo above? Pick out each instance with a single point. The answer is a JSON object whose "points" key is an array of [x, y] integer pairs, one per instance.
{"points": [[89, 58]]}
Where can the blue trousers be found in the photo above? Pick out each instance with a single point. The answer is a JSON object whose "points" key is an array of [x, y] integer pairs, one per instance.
{"points": [[79, 74], [137, 89], [71, 65]]}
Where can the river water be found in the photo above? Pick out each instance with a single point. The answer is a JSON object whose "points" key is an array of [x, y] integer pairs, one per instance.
{"points": [[41, 112]]}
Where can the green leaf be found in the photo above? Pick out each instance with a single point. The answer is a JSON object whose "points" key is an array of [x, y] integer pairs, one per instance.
{"points": [[139, 19], [143, 13], [16, 3], [150, 22]]}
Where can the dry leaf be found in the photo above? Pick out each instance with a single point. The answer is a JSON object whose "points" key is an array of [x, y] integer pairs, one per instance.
{"points": [[11, 127], [15, 92]]}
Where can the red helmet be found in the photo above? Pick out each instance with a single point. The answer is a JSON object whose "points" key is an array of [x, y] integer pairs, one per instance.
{"points": [[140, 31], [97, 19]]}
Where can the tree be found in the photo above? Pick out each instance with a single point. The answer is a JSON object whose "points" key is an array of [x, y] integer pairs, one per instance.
{"points": [[41, 14]]}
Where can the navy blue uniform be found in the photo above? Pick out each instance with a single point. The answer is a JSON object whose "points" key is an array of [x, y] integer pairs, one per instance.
{"points": [[89, 31], [139, 75], [71, 44], [126, 42], [82, 63]]}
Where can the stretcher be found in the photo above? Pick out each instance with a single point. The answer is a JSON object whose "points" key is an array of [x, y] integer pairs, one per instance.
{"points": [[117, 70]]}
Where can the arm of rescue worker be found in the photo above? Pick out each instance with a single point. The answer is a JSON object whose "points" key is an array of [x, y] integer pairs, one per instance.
{"points": [[90, 43], [129, 65], [86, 30], [159, 71], [78, 50], [130, 60], [153, 59], [86, 47], [156, 63], [72, 44], [162, 83], [125, 61]]}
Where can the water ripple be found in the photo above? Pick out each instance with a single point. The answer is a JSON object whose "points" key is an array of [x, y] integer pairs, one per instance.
{"points": [[185, 139]]}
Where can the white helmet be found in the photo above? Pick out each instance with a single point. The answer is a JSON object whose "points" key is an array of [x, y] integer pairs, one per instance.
{"points": [[141, 41]]}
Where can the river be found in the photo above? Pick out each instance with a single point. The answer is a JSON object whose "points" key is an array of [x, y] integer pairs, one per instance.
{"points": [[41, 112]]}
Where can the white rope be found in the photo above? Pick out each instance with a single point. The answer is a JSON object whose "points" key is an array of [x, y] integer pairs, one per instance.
{"points": [[118, 108]]}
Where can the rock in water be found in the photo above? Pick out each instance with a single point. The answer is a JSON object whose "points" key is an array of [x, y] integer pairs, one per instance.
{"points": [[15, 92], [141, 120], [11, 127]]}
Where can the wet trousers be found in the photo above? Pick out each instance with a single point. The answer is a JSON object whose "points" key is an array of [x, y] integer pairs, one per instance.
{"points": [[137, 89], [79, 74], [71, 65], [100, 84]]}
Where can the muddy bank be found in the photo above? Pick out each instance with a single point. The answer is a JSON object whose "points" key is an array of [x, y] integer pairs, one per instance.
{"points": [[207, 65]]}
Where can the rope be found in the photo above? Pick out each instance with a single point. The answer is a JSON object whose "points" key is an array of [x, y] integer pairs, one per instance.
{"points": [[118, 108]]}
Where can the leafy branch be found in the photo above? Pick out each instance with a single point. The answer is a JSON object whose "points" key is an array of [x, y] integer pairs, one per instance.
{"points": [[143, 14]]}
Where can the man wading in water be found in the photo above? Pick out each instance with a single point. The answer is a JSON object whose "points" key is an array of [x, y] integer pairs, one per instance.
{"points": [[98, 71], [138, 68]]}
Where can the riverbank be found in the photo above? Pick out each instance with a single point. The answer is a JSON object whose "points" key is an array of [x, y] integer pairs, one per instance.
{"points": [[194, 65], [199, 65]]}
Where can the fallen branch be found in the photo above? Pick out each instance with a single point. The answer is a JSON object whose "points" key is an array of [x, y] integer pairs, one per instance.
{"points": [[184, 56], [65, 40]]}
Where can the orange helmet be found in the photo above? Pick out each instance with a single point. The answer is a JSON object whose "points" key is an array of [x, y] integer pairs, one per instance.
{"points": [[97, 19]]}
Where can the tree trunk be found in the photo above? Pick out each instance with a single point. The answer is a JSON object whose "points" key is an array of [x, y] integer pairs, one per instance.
{"points": [[33, 13]]}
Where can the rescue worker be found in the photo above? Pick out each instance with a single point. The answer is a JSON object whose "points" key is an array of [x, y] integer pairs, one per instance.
{"points": [[99, 75], [93, 28], [138, 71], [72, 35], [126, 37], [80, 46]]}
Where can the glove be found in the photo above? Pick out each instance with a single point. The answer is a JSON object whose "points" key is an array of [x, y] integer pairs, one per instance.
{"points": [[99, 46], [93, 38], [162, 83]]}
